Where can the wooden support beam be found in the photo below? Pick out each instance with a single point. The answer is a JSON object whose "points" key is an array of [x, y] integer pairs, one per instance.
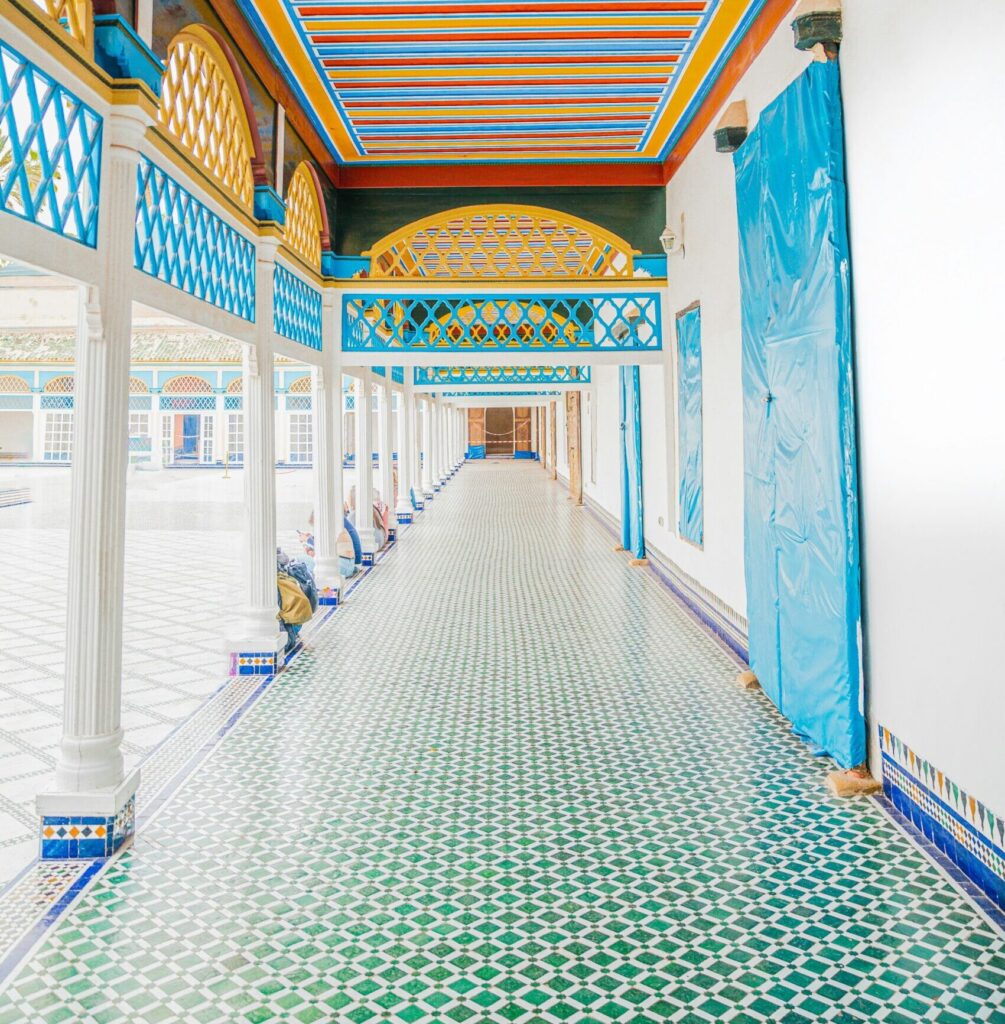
{"points": [[573, 433]]}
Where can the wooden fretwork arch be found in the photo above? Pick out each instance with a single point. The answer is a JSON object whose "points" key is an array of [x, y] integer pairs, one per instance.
{"points": [[205, 107], [501, 241], [306, 230]]}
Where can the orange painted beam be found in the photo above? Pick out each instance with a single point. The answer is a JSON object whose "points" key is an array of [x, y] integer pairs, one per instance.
{"points": [[763, 28]]}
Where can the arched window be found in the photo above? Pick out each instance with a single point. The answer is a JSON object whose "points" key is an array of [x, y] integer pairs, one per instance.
{"points": [[501, 241], [236, 386], [301, 386], [137, 386], [203, 107], [186, 384], [306, 222], [59, 386], [11, 385]]}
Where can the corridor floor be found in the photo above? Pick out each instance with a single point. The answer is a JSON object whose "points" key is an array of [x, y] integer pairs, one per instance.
{"points": [[510, 780]]}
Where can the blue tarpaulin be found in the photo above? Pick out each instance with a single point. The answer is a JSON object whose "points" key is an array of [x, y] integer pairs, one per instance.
{"points": [[475, 451], [691, 519], [632, 537], [800, 488]]}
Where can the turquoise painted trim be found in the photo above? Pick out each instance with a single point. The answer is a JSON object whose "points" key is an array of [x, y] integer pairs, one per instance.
{"points": [[296, 309], [655, 264], [182, 243], [120, 51], [418, 321], [52, 159], [269, 205], [344, 267], [630, 407], [460, 375]]}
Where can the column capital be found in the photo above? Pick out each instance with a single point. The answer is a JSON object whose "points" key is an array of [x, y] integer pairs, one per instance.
{"points": [[126, 127]]}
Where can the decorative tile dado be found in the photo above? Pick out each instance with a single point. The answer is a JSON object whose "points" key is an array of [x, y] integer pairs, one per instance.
{"points": [[253, 663], [963, 827], [86, 837], [581, 822]]}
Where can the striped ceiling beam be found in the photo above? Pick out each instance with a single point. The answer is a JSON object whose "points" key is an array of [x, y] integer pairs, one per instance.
{"points": [[585, 91]]}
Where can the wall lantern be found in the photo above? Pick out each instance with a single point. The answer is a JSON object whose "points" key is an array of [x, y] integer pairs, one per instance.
{"points": [[672, 239]]}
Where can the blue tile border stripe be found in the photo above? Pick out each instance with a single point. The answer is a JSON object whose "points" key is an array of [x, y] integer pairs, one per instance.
{"points": [[964, 833]]}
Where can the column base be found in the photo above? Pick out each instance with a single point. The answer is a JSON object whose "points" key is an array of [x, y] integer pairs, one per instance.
{"points": [[392, 534], [404, 518], [84, 826], [256, 656], [328, 580], [367, 560], [420, 503]]}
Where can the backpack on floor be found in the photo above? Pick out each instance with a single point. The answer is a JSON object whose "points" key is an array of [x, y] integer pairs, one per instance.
{"points": [[294, 606]]}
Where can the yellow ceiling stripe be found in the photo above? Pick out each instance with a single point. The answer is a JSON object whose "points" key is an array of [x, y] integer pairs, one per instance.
{"points": [[691, 74]]}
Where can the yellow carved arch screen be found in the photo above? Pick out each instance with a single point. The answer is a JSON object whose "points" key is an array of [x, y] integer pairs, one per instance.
{"points": [[201, 108], [501, 241], [303, 217], [73, 15]]}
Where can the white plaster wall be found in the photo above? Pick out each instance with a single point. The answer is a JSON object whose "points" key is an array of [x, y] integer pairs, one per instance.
{"points": [[607, 489], [562, 460], [707, 271], [925, 155]]}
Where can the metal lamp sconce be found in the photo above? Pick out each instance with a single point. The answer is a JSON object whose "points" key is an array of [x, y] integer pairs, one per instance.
{"points": [[672, 239]]}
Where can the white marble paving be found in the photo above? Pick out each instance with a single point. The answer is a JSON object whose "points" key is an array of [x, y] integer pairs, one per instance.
{"points": [[182, 580]]}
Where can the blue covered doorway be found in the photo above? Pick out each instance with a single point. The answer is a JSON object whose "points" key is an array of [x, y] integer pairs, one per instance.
{"points": [[800, 488]]}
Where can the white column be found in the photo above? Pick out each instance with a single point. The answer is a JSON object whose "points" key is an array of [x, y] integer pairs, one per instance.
{"points": [[37, 428], [427, 444], [435, 443], [326, 423], [533, 429], [364, 466], [257, 634], [406, 449], [90, 778], [386, 449]]}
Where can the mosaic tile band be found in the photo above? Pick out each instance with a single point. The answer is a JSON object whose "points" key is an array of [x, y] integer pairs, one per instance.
{"points": [[960, 825]]}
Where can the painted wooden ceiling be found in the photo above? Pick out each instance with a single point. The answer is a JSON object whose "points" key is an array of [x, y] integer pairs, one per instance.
{"points": [[443, 81]]}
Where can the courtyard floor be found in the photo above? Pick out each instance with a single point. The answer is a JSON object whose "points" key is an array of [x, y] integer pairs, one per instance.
{"points": [[508, 780], [183, 579]]}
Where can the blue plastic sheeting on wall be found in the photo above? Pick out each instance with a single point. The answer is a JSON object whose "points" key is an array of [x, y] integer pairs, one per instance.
{"points": [[800, 489], [475, 451], [632, 538], [691, 502]]}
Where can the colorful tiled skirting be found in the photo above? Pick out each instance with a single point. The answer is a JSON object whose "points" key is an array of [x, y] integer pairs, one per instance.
{"points": [[959, 824]]}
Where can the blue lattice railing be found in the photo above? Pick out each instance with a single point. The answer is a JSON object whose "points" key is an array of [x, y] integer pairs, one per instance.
{"points": [[181, 242], [615, 322], [50, 151], [460, 375], [296, 309]]}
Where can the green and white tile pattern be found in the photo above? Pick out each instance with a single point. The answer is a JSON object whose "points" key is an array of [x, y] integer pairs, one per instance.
{"points": [[511, 781]]}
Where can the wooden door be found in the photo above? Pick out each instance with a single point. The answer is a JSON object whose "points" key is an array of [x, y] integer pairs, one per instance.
{"points": [[498, 431], [521, 429]]}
